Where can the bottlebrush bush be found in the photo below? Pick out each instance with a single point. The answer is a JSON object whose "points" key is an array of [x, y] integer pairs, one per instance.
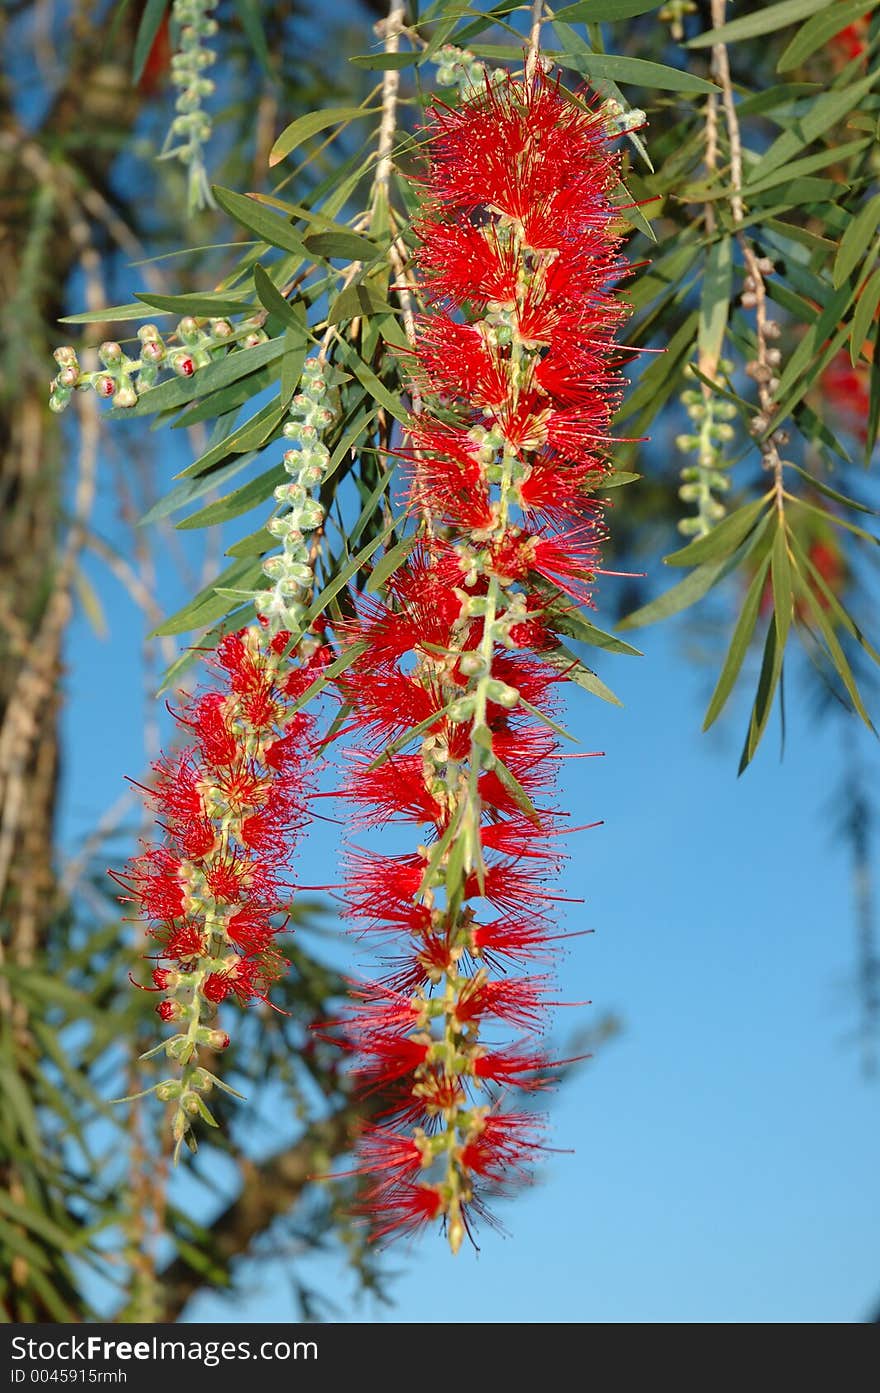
{"points": [[429, 362]]}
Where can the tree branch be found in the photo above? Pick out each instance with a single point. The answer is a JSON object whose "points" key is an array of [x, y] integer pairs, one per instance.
{"points": [[269, 1190]]}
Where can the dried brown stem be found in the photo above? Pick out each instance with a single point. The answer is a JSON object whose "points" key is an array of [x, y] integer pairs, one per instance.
{"points": [[762, 369]]}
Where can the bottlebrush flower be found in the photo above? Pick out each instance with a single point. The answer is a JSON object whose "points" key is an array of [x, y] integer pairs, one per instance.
{"points": [[229, 805], [452, 680]]}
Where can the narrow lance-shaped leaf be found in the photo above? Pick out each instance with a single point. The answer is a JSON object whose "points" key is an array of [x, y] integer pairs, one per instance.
{"points": [[768, 681], [290, 315], [606, 11], [739, 644], [252, 215], [855, 241], [825, 112], [391, 562], [571, 666], [781, 581], [813, 35], [765, 20], [679, 597], [835, 652], [723, 539], [863, 315], [310, 124], [715, 300]]}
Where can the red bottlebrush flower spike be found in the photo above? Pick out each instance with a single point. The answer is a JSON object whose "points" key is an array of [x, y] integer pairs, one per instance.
{"points": [[453, 679], [213, 892]]}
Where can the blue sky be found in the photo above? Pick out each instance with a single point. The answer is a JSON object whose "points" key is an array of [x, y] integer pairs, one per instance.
{"points": [[725, 1141]]}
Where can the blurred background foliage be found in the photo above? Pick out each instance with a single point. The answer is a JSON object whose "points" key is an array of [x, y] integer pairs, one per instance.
{"points": [[750, 208]]}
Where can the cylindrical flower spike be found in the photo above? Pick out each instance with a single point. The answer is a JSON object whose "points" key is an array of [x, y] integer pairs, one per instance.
{"points": [[230, 805], [452, 681]]}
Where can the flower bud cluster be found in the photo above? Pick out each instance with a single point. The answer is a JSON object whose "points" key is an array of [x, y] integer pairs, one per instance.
{"points": [[121, 380], [458, 67], [711, 416], [191, 128], [621, 120], [306, 461]]}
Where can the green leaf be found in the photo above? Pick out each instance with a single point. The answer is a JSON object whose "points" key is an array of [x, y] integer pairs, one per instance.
{"points": [[14, 1241], [567, 663], [818, 431], [821, 487], [112, 314], [834, 605], [824, 113], [770, 99], [835, 652], [618, 479], [358, 300], [605, 87], [345, 573], [653, 76], [830, 20], [796, 169], [369, 509], [631, 213], [679, 597], [270, 297], [222, 403], [373, 384], [254, 216], [813, 352], [768, 680], [723, 539], [378, 62], [606, 11], [855, 240], [188, 490], [151, 20], [313, 121], [765, 20], [37, 1223], [390, 562], [834, 518], [208, 606], [576, 626], [715, 299], [739, 644], [347, 443], [255, 544], [250, 435], [865, 310], [252, 24], [201, 305], [781, 581], [658, 380], [342, 246], [240, 501]]}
